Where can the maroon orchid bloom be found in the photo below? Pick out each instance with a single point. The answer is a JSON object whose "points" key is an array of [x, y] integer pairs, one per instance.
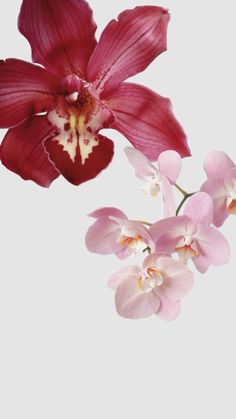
{"points": [[55, 113]]}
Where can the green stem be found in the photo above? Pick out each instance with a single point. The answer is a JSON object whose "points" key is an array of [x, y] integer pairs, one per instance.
{"points": [[184, 193], [186, 196], [145, 223]]}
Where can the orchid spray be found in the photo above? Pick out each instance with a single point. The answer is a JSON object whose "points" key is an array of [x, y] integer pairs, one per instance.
{"points": [[54, 110]]}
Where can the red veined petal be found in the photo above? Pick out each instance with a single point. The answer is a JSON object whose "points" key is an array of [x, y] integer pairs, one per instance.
{"points": [[127, 46], [76, 170], [23, 153], [147, 121], [25, 89], [61, 33]]}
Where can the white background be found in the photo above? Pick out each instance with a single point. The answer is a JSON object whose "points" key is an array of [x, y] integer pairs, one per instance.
{"points": [[64, 352]]}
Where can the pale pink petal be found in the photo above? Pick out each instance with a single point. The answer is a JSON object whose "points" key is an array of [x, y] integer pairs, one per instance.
{"points": [[178, 279], [124, 252], [127, 46], [170, 164], [168, 230], [141, 165], [220, 213], [213, 248], [102, 237], [216, 189], [168, 309], [146, 119], [132, 302], [128, 272], [201, 263], [199, 208], [217, 164], [168, 198], [134, 229], [108, 211]]}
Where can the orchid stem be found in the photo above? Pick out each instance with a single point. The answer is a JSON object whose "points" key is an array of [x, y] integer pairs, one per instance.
{"points": [[145, 223], [186, 196], [184, 193]]}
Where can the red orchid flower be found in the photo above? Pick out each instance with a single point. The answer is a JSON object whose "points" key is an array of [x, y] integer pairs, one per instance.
{"points": [[55, 113]]}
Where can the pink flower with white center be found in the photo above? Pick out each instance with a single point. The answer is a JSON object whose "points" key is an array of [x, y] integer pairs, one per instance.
{"points": [[55, 113], [112, 232], [192, 236], [158, 177], [156, 288], [220, 185]]}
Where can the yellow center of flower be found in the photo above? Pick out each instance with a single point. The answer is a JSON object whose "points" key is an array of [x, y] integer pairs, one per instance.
{"points": [[186, 252], [135, 243], [231, 208]]}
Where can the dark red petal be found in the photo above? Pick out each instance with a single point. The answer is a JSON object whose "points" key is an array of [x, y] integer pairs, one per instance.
{"points": [[25, 89], [74, 171], [23, 153], [61, 33], [147, 121], [127, 46]]}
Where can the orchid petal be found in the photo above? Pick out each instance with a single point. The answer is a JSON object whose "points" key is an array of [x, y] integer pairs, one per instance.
{"points": [[25, 89], [124, 273], [170, 163], [199, 208], [168, 198], [217, 164], [216, 189], [132, 302], [76, 170], [142, 167], [22, 151], [178, 279], [213, 248], [127, 46], [147, 121], [102, 237], [175, 226], [168, 309], [61, 34], [108, 211], [135, 228]]}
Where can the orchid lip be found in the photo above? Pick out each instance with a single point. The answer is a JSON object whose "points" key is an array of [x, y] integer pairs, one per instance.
{"points": [[186, 252], [149, 279], [135, 243]]}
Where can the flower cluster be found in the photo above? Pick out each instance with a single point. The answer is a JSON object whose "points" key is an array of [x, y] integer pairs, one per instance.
{"points": [[172, 242], [54, 111]]}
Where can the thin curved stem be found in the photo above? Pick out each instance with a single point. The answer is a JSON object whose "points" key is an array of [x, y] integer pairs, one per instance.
{"points": [[184, 193], [145, 223], [188, 195]]}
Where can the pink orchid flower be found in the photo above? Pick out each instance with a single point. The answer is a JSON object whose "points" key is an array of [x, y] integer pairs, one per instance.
{"points": [[55, 113], [114, 233], [220, 185], [192, 236], [156, 288], [158, 177]]}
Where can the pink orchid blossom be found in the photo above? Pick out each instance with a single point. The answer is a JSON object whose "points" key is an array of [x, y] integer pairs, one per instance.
{"points": [[192, 236], [220, 185], [55, 112], [156, 288], [112, 232], [158, 177]]}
